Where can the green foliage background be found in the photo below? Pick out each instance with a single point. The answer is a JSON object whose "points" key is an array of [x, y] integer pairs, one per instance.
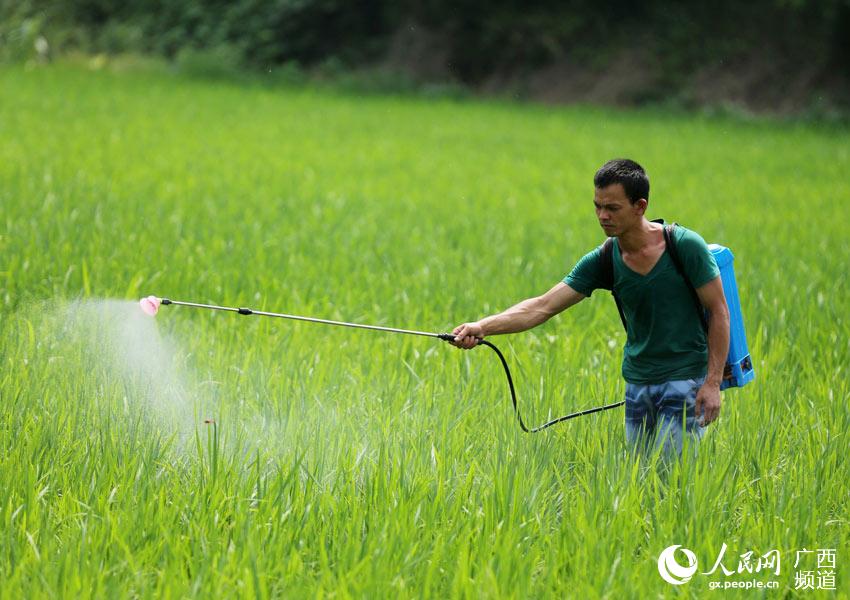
{"points": [[479, 39]]}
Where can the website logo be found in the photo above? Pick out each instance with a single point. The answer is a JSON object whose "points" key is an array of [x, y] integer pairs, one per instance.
{"points": [[670, 569]]}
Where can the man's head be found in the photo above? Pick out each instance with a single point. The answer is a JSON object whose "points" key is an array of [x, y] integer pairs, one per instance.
{"points": [[621, 195]]}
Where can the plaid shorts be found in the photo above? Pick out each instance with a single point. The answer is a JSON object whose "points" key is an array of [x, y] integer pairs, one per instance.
{"points": [[659, 415]]}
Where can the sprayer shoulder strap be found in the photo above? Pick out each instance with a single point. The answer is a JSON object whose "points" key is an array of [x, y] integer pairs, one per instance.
{"points": [[670, 240], [606, 255]]}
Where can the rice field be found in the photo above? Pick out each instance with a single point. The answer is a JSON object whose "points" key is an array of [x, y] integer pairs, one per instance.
{"points": [[200, 454]]}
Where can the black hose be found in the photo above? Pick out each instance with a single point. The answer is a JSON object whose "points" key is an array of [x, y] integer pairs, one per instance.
{"points": [[449, 338]]}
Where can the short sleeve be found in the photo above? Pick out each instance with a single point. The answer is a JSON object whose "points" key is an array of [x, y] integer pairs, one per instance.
{"points": [[586, 276], [696, 258]]}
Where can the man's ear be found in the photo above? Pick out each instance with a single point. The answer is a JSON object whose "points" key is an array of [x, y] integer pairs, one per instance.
{"points": [[640, 206]]}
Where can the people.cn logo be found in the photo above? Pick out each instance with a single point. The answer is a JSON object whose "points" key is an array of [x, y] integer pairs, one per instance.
{"points": [[670, 569]]}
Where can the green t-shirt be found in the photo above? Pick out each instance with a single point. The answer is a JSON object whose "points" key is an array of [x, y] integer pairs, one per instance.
{"points": [[665, 339]]}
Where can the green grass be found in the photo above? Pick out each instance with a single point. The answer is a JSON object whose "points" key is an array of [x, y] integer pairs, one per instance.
{"points": [[356, 464]]}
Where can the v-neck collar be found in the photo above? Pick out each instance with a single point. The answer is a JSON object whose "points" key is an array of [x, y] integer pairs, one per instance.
{"points": [[657, 262]]}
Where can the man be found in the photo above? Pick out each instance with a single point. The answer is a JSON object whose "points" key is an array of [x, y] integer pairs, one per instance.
{"points": [[671, 366]]}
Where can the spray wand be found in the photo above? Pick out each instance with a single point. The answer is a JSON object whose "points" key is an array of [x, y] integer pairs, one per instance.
{"points": [[151, 306]]}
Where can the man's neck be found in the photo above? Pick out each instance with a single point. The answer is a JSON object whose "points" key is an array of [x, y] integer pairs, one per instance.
{"points": [[637, 238]]}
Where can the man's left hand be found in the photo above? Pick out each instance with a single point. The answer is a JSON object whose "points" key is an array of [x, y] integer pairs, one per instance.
{"points": [[708, 403]]}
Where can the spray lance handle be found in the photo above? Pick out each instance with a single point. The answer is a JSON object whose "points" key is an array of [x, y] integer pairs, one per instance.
{"points": [[450, 337]]}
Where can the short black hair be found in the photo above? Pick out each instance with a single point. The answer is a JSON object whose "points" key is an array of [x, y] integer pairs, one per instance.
{"points": [[626, 172]]}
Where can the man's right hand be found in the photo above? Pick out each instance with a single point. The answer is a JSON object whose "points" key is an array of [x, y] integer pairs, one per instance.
{"points": [[468, 335]]}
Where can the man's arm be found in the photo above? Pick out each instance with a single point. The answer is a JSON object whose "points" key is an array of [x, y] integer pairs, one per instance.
{"points": [[708, 397], [520, 317]]}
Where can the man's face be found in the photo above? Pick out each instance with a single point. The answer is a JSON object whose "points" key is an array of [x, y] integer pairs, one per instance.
{"points": [[615, 212]]}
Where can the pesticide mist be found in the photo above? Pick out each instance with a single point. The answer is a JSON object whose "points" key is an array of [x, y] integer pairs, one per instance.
{"points": [[119, 357], [130, 371]]}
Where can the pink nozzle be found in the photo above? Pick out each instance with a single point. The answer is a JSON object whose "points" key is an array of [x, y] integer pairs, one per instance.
{"points": [[150, 305]]}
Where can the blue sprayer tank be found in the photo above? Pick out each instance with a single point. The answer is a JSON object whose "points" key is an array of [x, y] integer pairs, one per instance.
{"points": [[739, 365]]}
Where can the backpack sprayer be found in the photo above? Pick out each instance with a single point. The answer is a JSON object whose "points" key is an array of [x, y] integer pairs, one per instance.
{"points": [[151, 306], [739, 366]]}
